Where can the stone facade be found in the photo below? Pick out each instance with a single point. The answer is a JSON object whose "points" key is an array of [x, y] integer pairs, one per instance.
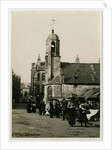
{"points": [[38, 79], [56, 92]]}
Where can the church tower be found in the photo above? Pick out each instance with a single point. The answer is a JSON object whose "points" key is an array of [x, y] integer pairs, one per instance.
{"points": [[52, 56]]}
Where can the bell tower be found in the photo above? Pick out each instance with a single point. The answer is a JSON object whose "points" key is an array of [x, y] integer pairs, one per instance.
{"points": [[52, 56]]}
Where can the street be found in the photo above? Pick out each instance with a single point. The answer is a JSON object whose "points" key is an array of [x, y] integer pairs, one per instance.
{"points": [[32, 125]]}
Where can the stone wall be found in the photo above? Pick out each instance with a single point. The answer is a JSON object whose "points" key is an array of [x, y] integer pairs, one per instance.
{"points": [[68, 90], [56, 92]]}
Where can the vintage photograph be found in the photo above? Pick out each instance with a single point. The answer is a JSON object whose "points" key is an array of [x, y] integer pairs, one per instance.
{"points": [[56, 74]]}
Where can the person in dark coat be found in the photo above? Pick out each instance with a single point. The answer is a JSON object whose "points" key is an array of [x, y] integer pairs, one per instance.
{"points": [[29, 107], [71, 112], [82, 114], [40, 108], [51, 109], [64, 108], [43, 108], [57, 107]]}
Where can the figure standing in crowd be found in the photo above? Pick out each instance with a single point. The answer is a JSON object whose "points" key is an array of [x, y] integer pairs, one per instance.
{"points": [[51, 109], [71, 112], [82, 114], [33, 105], [54, 107], [29, 107], [64, 108], [57, 107], [43, 108], [40, 108]]}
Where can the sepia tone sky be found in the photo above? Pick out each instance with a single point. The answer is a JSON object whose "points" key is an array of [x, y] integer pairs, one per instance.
{"points": [[79, 33]]}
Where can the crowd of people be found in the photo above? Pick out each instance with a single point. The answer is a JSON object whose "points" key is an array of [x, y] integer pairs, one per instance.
{"points": [[71, 109]]}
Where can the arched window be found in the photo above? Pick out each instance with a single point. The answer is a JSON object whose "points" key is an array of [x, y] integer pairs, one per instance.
{"points": [[53, 46], [49, 91]]}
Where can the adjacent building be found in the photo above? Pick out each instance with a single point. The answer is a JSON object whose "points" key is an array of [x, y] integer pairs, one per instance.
{"points": [[38, 79]]}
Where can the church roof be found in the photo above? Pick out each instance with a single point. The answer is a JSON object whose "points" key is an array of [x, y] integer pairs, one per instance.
{"points": [[81, 73], [53, 36], [55, 80], [77, 73]]}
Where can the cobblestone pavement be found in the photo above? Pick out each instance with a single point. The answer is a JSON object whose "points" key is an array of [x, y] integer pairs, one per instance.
{"points": [[31, 125]]}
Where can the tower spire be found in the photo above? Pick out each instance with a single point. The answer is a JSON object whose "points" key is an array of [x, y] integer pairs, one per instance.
{"points": [[38, 60], [52, 24], [77, 60]]}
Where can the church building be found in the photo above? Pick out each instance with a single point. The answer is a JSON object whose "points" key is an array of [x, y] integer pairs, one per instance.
{"points": [[57, 79]]}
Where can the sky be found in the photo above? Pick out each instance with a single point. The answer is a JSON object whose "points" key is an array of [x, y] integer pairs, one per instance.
{"points": [[80, 33]]}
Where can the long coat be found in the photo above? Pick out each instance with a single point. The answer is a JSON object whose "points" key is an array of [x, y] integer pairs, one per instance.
{"points": [[82, 116], [71, 117], [51, 110], [71, 113]]}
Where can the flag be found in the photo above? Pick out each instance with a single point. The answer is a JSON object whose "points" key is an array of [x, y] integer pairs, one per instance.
{"points": [[52, 23]]}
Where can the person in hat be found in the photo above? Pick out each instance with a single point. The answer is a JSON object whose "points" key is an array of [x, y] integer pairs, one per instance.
{"points": [[82, 114], [40, 107], [64, 108], [57, 107], [43, 108], [71, 112], [29, 107], [51, 109]]}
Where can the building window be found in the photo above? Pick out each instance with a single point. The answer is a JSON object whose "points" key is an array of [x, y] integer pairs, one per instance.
{"points": [[38, 77], [43, 76]]}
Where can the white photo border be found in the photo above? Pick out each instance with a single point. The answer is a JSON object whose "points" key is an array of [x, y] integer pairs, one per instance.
{"points": [[5, 141]]}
